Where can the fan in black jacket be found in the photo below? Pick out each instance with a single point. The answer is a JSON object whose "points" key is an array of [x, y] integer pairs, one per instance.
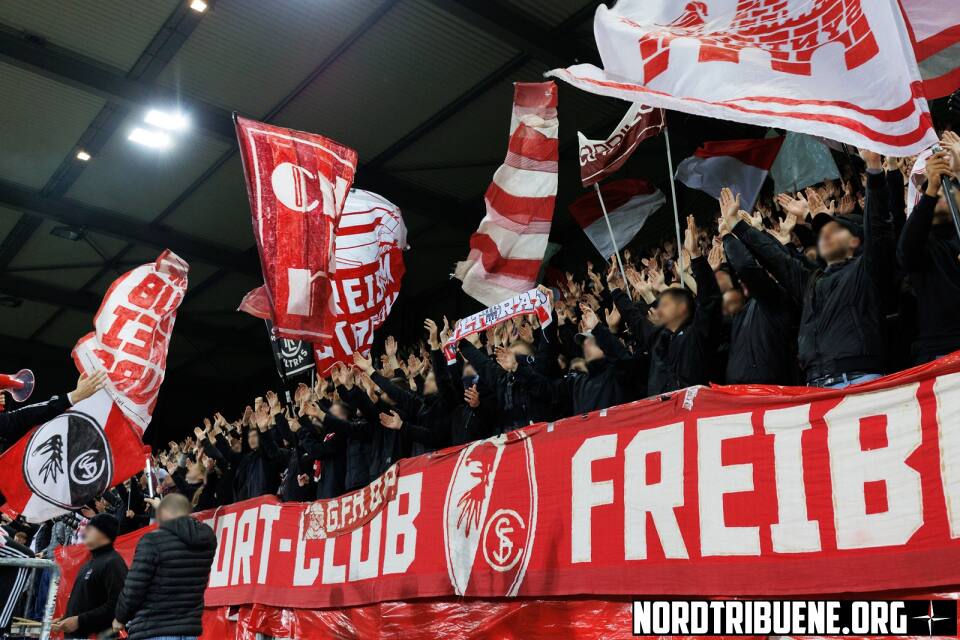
{"points": [[929, 250], [841, 336], [681, 346], [99, 581], [163, 592]]}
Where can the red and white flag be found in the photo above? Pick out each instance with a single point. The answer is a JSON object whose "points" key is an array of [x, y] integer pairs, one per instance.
{"points": [[934, 27], [507, 249], [131, 334], [629, 203], [742, 165], [601, 158], [297, 183], [370, 243], [841, 69], [70, 460]]}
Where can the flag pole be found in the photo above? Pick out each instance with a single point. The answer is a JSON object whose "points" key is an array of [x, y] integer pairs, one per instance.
{"points": [[676, 213], [616, 250]]}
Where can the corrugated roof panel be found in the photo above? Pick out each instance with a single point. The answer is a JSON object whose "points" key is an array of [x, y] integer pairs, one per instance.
{"points": [[412, 63], [218, 210], [70, 326], [8, 218], [44, 248], [246, 55], [22, 321], [40, 121], [550, 12], [225, 294], [138, 181], [199, 271], [112, 31], [459, 183]]}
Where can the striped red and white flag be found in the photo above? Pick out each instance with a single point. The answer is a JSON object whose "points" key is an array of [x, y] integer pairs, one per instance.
{"points": [[841, 69], [507, 250], [742, 165], [934, 27]]}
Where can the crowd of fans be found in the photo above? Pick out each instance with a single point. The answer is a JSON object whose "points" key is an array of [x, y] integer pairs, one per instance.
{"points": [[830, 287]]}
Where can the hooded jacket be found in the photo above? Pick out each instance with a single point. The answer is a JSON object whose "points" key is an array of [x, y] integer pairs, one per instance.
{"points": [[163, 593]]}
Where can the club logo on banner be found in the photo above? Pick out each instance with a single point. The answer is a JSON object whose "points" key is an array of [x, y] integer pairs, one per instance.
{"points": [[481, 514], [68, 460], [292, 356]]}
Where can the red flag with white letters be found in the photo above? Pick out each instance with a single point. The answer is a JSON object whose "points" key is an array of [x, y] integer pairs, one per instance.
{"points": [[297, 184]]}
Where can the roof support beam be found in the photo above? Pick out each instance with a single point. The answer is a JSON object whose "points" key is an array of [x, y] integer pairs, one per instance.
{"points": [[119, 226]]}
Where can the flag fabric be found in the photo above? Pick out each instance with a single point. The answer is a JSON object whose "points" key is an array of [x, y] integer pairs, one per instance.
{"points": [[841, 69], [934, 28], [297, 183], [70, 460], [507, 249], [601, 158], [803, 160], [371, 239], [742, 165], [132, 332], [629, 203]]}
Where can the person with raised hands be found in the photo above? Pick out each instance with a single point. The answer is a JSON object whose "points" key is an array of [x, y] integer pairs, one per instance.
{"points": [[842, 335], [929, 251], [762, 332]]}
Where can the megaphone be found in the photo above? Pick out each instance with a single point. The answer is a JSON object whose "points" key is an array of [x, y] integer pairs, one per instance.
{"points": [[19, 384]]}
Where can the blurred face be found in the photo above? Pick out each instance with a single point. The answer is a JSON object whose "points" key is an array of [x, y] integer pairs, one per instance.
{"points": [[430, 384], [811, 253], [836, 243], [236, 444], [724, 281], [93, 538], [253, 439], [337, 410], [591, 351], [521, 349], [673, 311], [469, 371], [733, 301]]}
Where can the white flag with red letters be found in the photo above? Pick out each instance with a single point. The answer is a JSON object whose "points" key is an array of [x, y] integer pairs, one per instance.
{"points": [[841, 69]]}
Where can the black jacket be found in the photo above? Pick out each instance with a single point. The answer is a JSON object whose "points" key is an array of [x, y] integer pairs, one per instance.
{"points": [[94, 596], [682, 358], [763, 334], [842, 320], [929, 255], [14, 424], [605, 384], [259, 471], [163, 593]]}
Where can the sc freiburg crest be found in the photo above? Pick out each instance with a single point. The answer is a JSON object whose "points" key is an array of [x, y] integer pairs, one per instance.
{"points": [[490, 515], [68, 460]]}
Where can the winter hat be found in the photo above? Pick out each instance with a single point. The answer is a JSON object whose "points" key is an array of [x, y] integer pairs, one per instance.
{"points": [[106, 524]]}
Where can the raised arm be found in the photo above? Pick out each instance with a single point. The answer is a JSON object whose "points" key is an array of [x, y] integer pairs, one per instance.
{"points": [[916, 230]]}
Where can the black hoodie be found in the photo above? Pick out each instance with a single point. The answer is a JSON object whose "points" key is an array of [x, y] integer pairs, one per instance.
{"points": [[163, 593], [95, 592]]}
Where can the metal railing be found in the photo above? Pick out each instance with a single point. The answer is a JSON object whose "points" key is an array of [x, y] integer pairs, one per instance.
{"points": [[48, 609]]}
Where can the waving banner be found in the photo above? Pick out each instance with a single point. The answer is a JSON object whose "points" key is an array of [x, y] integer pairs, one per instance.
{"points": [[533, 301], [132, 332], [708, 491], [841, 69], [371, 239], [297, 183]]}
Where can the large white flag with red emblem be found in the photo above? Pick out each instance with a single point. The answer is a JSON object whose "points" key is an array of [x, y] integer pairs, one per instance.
{"points": [[841, 69], [507, 249], [297, 183]]}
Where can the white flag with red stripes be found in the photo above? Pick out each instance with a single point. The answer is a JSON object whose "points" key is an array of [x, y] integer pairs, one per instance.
{"points": [[507, 249], [840, 69], [934, 27]]}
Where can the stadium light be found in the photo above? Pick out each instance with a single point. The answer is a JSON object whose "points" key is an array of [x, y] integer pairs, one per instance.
{"points": [[83, 156], [150, 138], [199, 6], [169, 120]]}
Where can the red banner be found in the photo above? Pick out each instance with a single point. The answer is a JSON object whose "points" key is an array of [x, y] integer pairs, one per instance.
{"points": [[297, 183], [722, 491], [371, 238], [132, 332]]}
